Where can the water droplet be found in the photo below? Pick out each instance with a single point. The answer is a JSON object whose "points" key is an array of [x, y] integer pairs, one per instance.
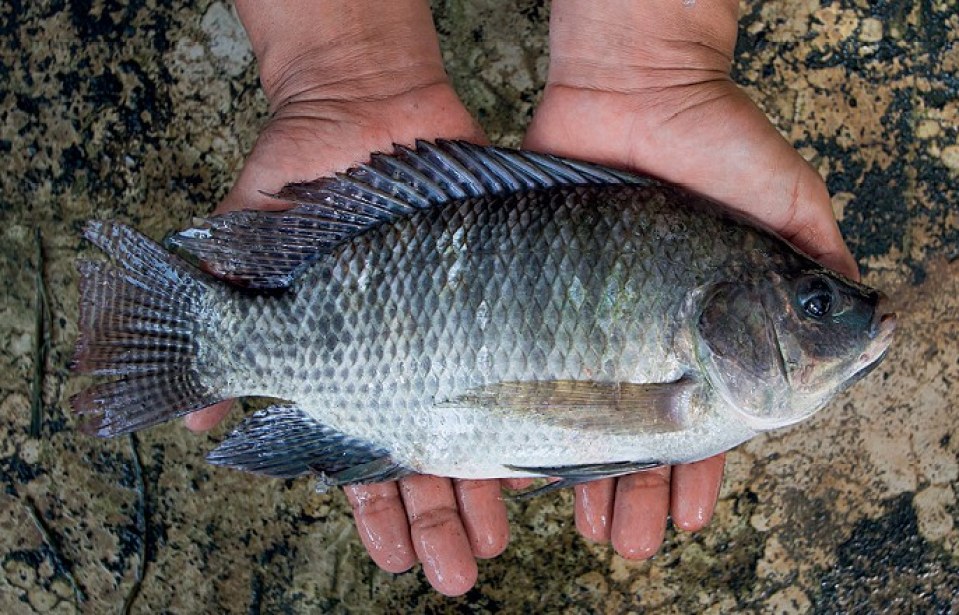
{"points": [[484, 360], [482, 315]]}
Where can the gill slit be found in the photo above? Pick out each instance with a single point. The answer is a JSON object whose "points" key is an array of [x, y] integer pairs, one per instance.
{"points": [[779, 347]]}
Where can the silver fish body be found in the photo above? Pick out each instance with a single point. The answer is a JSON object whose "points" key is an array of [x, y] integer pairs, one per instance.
{"points": [[574, 328]]}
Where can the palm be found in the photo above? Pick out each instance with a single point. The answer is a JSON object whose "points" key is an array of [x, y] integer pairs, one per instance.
{"points": [[305, 141], [708, 137], [444, 524]]}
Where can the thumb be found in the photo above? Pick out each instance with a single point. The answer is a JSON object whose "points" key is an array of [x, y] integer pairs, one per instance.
{"points": [[812, 225]]}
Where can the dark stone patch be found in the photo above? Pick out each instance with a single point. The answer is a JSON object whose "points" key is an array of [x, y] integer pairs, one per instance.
{"points": [[105, 89], [10, 22], [737, 556], [20, 471], [272, 578], [73, 161], [935, 26], [35, 557], [748, 43], [919, 274], [887, 566], [129, 542], [112, 23], [30, 104], [939, 198], [536, 11], [876, 218], [149, 96]]}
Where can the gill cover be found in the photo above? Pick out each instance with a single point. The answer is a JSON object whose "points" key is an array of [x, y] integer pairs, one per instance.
{"points": [[739, 351]]}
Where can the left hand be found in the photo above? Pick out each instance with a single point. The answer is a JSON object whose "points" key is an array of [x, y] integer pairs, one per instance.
{"points": [[344, 80], [646, 86]]}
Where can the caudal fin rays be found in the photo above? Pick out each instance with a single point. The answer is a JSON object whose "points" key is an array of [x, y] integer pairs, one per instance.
{"points": [[140, 319]]}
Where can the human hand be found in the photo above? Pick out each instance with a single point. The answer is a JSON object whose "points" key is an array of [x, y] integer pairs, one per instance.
{"points": [[374, 79], [646, 86]]}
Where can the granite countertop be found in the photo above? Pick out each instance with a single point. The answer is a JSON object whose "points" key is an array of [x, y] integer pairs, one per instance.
{"points": [[143, 112]]}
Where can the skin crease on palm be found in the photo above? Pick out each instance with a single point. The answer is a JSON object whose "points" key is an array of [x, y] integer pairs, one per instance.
{"points": [[661, 105]]}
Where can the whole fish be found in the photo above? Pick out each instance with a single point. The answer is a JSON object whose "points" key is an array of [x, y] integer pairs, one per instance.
{"points": [[472, 312]]}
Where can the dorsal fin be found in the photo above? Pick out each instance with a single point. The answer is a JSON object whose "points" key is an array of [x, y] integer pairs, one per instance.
{"points": [[269, 249]]}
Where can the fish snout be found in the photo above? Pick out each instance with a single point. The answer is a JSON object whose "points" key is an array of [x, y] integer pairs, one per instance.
{"points": [[884, 319]]}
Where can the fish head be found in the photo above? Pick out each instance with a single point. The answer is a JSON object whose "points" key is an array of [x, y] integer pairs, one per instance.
{"points": [[779, 347]]}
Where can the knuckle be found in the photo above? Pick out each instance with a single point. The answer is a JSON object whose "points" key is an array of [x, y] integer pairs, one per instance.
{"points": [[657, 479], [371, 501], [439, 517], [476, 487]]}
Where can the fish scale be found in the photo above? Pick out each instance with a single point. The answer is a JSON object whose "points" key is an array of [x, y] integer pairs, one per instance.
{"points": [[405, 271], [472, 312]]}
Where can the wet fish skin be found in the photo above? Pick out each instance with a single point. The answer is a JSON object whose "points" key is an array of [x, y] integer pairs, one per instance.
{"points": [[409, 315], [544, 330]]}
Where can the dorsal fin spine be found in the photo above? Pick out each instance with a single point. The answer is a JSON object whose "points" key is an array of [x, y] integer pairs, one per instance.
{"points": [[419, 182], [464, 179], [382, 203], [400, 191], [480, 171], [449, 188]]}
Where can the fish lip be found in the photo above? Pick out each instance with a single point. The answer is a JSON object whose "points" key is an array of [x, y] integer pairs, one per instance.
{"points": [[867, 368], [883, 321], [881, 333]]}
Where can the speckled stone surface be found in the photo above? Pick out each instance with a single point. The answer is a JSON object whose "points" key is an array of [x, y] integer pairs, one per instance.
{"points": [[144, 111]]}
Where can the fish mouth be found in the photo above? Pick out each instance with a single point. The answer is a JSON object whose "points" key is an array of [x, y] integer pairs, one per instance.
{"points": [[881, 331], [883, 321], [869, 365]]}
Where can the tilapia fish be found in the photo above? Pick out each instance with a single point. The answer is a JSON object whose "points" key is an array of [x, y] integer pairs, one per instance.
{"points": [[471, 312]]}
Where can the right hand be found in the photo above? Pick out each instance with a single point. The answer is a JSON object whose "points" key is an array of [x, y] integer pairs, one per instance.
{"points": [[646, 86]]}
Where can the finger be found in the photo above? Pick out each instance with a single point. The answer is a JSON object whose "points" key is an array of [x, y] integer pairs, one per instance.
{"points": [[207, 418], [639, 513], [438, 535], [594, 509], [483, 515], [382, 525], [811, 224], [516, 483], [693, 492]]}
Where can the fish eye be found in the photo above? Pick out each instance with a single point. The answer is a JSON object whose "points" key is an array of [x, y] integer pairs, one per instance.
{"points": [[815, 297]]}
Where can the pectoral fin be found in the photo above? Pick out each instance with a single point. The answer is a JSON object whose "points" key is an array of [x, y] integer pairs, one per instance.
{"points": [[609, 407]]}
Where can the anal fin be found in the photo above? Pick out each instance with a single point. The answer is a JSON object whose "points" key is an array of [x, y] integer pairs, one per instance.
{"points": [[284, 441]]}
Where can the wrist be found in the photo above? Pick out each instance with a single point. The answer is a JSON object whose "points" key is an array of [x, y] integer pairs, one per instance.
{"points": [[627, 45], [342, 51]]}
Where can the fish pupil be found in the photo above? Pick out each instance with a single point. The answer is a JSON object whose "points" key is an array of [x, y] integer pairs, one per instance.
{"points": [[815, 296]]}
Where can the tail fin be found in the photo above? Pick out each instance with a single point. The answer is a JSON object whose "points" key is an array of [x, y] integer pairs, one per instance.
{"points": [[139, 320]]}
